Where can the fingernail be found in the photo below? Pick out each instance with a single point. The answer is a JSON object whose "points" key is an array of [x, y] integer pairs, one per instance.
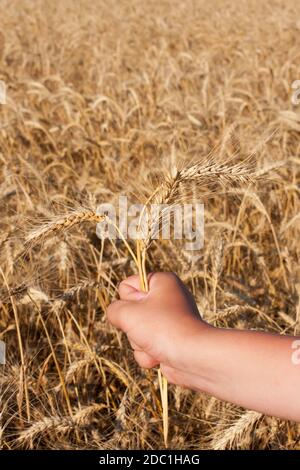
{"points": [[140, 295]]}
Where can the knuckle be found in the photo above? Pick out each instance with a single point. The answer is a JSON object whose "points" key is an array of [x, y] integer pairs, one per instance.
{"points": [[171, 277], [137, 357], [142, 359], [113, 310], [165, 276], [122, 288], [122, 284]]}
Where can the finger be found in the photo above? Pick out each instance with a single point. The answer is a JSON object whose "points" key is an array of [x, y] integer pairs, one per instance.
{"points": [[133, 281], [144, 360], [123, 314], [115, 314], [130, 289], [134, 345], [161, 280]]}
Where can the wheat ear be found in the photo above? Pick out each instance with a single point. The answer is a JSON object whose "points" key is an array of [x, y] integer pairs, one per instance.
{"points": [[62, 223]]}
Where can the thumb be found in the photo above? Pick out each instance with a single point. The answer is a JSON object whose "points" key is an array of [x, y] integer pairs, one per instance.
{"points": [[130, 289]]}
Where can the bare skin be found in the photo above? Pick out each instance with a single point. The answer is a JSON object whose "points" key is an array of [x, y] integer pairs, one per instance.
{"points": [[252, 369]]}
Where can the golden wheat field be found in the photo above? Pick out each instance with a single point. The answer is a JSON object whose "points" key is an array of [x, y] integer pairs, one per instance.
{"points": [[107, 99]]}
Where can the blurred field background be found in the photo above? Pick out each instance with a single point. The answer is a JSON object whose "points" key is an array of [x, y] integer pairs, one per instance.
{"points": [[100, 97]]}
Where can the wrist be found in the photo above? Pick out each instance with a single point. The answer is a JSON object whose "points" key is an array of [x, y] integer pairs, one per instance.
{"points": [[201, 357]]}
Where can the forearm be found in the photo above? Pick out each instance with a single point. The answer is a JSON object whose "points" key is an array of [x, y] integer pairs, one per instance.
{"points": [[253, 369]]}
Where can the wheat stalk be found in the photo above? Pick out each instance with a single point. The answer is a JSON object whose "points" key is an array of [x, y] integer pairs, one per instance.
{"points": [[167, 193], [163, 383]]}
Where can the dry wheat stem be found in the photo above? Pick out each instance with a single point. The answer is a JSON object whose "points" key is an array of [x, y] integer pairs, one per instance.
{"points": [[169, 193], [163, 383]]}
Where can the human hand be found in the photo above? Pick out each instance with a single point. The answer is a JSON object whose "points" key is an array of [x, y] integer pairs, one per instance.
{"points": [[160, 324]]}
